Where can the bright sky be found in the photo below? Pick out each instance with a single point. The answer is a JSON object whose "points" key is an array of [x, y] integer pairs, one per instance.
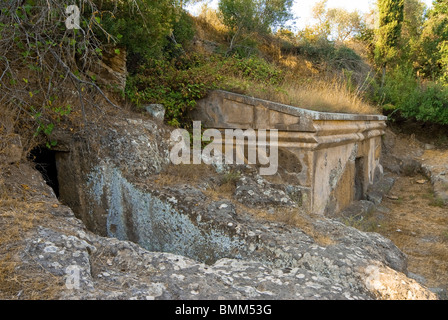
{"points": [[302, 8]]}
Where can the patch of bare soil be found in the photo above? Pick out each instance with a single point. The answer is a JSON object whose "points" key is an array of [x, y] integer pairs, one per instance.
{"points": [[413, 216], [24, 204], [418, 224]]}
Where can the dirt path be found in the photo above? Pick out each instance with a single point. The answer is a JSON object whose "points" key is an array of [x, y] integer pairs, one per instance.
{"points": [[414, 217], [418, 224]]}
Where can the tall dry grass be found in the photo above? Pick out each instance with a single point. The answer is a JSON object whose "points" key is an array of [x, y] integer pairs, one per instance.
{"points": [[318, 95], [19, 215], [320, 86]]}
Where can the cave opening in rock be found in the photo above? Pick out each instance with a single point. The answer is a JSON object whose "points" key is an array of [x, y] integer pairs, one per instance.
{"points": [[45, 163]]}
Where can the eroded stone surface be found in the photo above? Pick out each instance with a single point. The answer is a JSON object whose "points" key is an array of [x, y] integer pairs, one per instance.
{"points": [[206, 248], [276, 261]]}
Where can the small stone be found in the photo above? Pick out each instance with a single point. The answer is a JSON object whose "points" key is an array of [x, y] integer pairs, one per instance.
{"points": [[156, 110], [392, 197]]}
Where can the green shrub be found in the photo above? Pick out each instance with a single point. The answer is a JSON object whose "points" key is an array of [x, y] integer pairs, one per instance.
{"points": [[403, 93], [183, 33], [142, 26], [343, 57], [172, 84], [432, 105], [257, 69], [335, 56], [180, 82]]}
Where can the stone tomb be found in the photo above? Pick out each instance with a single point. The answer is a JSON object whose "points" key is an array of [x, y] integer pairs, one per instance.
{"points": [[332, 157]]}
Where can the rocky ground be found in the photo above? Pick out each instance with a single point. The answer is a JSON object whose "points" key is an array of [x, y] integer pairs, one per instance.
{"points": [[414, 214], [47, 253]]}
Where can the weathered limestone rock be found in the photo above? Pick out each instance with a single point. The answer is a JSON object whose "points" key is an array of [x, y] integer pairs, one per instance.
{"points": [[186, 245], [421, 158], [380, 188], [157, 111], [435, 167], [285, 262], [254, 191], [138, 147], [111, 69]]}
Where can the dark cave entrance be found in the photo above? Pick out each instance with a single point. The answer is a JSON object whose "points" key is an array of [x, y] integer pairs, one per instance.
{"points": [[45, 162]]}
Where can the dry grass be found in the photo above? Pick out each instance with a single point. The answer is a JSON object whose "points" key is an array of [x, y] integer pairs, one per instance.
{"points": [[18, 216], [223, 190], [306, 85], [316, 95], [418, 226], [327, 97], [293, 217], [185, 174]]}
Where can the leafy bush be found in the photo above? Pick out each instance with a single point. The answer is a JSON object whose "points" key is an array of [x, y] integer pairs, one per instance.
{"points": [[132, 22], [183, 33], [322, 50], [178, 83], [254, 68], [402, 93], [172, 84], [431, 106]]}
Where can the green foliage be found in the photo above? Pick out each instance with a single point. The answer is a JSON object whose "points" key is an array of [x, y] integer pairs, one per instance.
{"points": [[336, 23], [254, 68], [179, 83], [55, 113], [402, 92], [176, 84], [246, 18], [254, 15], [391, 13], [443, 61], [142, 26], [324, 51], [183, 28], [182, 34], [432, 50]]}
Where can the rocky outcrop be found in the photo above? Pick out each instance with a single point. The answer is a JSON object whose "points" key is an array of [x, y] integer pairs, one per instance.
{"points": [[417, 157], [435, 167], [285, 263], [110, 71], [176, 242]]}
